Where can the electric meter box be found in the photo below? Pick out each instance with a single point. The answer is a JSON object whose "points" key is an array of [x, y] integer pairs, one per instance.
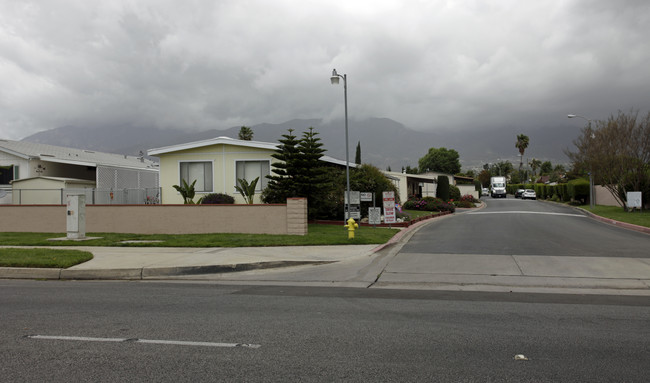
{"points": [[76, 216]]}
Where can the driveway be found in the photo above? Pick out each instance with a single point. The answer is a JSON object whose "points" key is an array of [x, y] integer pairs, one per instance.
{"points": [[526, 244]]}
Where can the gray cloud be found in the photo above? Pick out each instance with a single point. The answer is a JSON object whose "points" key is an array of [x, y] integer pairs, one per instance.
{"points": [[464, 65]]}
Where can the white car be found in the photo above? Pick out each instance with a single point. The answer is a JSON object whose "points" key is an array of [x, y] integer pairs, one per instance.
{"points": [[486, 191], [529, 194]]}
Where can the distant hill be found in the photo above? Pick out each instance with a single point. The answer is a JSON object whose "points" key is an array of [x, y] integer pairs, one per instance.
{"points": [[384, 142]]}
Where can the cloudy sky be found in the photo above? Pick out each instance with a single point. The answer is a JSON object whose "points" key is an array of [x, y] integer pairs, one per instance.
{"points": [[431, 65]]}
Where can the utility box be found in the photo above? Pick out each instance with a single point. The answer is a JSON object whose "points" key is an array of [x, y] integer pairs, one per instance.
{"points": [[76, 216]]}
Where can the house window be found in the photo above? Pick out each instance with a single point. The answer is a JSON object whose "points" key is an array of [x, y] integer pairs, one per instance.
{"points": [[199, 171], [8, 174], [249, 170]]}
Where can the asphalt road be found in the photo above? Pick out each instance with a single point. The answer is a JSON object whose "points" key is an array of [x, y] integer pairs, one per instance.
{"points": [[525, 227], [183, 332]]}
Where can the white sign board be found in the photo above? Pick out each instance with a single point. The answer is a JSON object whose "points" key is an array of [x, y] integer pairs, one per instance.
{"points": [[634, 199], [366, 197], [374, 215], [355, 212], [355, 205], [354, 197], [389, 207]]}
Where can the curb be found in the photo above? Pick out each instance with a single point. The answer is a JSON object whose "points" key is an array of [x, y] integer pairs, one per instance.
{"points": [[397, 237], [625, 225], [142, 273], [29, 273]]}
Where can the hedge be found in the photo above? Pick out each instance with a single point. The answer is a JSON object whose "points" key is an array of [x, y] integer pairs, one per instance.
{"points": [[579, 189], [575, 189]]}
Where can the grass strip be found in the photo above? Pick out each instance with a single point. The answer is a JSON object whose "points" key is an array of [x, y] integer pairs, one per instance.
{"points": [[413, 214], [46, 258], [319, 234], [640, 218]]}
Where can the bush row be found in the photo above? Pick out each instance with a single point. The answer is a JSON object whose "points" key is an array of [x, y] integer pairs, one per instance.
{"points": [[428, 204]]}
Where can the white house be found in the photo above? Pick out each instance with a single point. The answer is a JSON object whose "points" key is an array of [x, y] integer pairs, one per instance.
{"points": [[216, 164]]}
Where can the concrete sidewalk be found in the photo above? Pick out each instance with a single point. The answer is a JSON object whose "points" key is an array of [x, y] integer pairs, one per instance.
{"points": [[160, 262], [364, 266]]}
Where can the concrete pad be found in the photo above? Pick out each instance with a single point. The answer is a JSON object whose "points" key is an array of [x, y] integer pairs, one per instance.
{"points": [[151, 257], [585, 267], [416, 263]]}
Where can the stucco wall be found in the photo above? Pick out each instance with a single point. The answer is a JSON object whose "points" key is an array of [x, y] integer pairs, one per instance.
{"points": [[468, 189], [163, 219], [604, 197]]}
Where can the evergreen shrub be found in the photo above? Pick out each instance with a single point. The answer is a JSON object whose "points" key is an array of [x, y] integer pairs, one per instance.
{"points": [[442, 191], [454, 192], [217, 199]]}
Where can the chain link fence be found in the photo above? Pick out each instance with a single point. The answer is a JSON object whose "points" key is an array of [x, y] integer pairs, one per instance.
{"points": [[126, 196]]}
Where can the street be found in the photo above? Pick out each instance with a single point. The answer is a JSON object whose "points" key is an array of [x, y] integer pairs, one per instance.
{"points": [[524, 227], [314, 334], [274, 326]]}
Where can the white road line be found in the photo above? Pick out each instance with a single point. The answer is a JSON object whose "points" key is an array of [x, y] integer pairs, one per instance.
{"points": [[77, 338], [526, 212], [148, 341]]}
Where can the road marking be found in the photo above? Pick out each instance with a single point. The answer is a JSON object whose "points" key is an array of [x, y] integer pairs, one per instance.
{"points": [[148, 341], [527, 212]]}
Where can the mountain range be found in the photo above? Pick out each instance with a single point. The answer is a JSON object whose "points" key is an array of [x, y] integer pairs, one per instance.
{"points": [[384, 142]]}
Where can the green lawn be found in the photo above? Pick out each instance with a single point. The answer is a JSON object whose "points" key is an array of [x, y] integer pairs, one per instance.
{"points": [[419, 213], [47, 258], [318, 235], [641, 218]]}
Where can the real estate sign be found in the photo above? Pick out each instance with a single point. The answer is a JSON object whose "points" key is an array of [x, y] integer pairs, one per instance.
{"points": [[389, 207]]}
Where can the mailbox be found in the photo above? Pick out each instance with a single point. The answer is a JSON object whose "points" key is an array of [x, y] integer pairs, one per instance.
{"points": [[76, 216]]}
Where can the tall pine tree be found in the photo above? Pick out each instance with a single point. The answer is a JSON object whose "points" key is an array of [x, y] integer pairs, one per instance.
{"points": [[312, 174], [300, 172], [282, 185]]}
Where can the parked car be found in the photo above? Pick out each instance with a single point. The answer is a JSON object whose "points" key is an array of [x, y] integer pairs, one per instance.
{"points": [[518, 193], [485, 191], [529, 194]]}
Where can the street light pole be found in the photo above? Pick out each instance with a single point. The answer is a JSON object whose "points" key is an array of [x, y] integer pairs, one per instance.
{"points": [[591, 177], [335, 80]]}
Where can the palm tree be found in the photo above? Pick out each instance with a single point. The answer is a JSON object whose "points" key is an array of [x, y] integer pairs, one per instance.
{"points": [[522, 144], [245, 133], [534, 164]]}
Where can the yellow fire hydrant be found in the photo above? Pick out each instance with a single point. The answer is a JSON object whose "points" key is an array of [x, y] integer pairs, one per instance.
{"points": [[351, 226]]}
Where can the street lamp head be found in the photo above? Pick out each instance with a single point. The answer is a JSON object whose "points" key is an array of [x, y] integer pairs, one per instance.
{"points": [[572, 116], [335, 77]]}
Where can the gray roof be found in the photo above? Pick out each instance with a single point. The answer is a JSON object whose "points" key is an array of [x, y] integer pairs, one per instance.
{"points": [[232, 141], [59, 154]]}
